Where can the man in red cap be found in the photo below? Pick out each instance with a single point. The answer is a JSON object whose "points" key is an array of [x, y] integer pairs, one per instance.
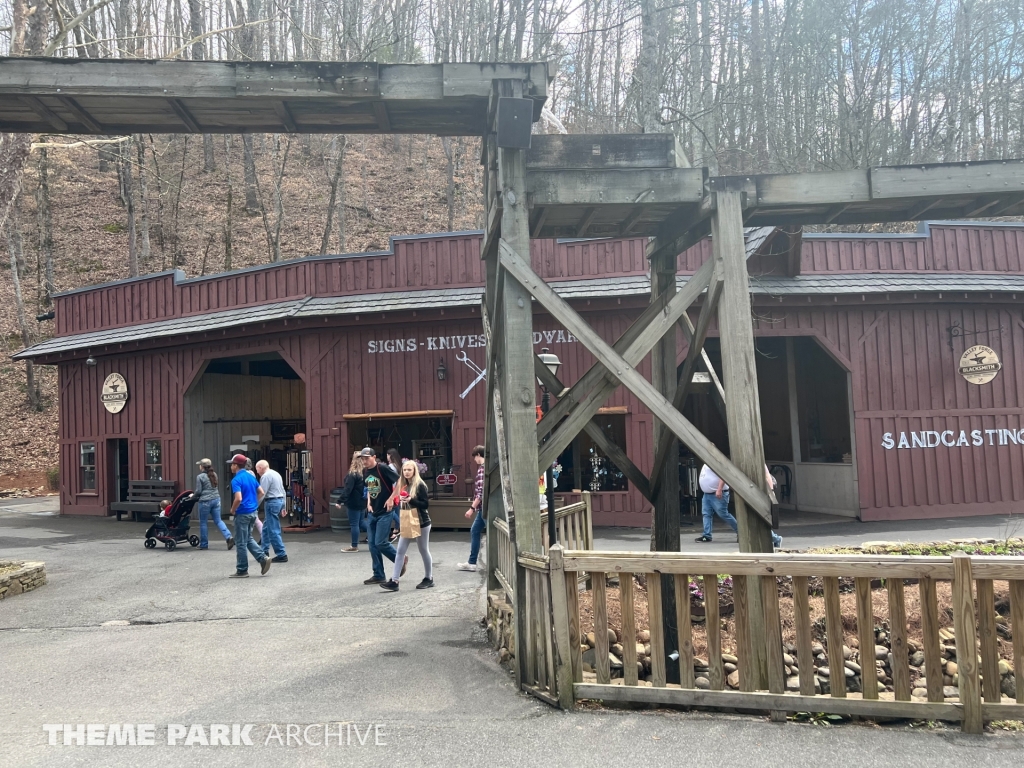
{"points": [[246, 498]]}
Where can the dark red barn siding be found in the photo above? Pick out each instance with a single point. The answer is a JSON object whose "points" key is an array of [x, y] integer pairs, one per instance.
{"points": [[903, 373]]}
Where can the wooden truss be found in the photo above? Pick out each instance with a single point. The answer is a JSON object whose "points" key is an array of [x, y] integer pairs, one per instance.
{"points": [[616, 185]]}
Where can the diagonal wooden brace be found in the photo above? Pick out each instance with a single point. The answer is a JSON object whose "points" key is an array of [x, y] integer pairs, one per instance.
{"points": [[631, 378], [707, 312], [588, 394], [608, 447]]}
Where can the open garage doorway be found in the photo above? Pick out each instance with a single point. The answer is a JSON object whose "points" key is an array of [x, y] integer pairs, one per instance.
{"points": [[255, 405]]}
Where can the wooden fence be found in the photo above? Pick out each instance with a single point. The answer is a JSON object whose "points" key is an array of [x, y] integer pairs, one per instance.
{"points": [[551, 659], [574, 530]]}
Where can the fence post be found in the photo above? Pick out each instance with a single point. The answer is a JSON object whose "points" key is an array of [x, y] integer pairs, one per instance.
{"points": [[589, 504], [966, 644], [560, 619]]}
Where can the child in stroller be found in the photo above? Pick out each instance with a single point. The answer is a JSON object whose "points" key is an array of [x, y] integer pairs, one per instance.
{"points": [[171, 525]]}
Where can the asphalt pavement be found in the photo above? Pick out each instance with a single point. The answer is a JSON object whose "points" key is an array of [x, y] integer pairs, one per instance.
{"points": [[124, 635]]}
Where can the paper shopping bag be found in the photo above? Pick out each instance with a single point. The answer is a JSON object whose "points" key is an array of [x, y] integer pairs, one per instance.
{"points": [[410, 522]]}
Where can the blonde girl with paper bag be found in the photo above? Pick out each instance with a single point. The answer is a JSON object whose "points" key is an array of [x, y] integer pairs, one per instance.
{"points": [[412, 499]]}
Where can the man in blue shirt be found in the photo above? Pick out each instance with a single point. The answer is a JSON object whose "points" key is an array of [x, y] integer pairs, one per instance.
{"points": [[246, 498]]}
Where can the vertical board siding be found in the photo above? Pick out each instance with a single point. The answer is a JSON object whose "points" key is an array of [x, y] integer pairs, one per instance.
{"points": [[946, 248]]}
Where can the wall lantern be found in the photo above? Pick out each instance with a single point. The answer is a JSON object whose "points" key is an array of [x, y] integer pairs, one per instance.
{"points": [[442, 371], [551, 362], [90, 361]]}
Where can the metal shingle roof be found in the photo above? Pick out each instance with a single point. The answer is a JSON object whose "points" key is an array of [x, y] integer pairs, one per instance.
{"points": [[599, 288]]}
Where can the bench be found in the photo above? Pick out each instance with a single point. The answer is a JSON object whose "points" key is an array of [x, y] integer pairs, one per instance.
{"points": [[144, 497]]}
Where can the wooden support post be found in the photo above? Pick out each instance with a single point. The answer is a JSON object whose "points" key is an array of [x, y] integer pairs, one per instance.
{"points": [[514, 373], [562, 651], [743, 411], [966, 643], [665, 521]]}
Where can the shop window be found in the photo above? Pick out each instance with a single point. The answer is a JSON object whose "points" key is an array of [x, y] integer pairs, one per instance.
{"points": [[584, 465], [87, 463], [154, 460]]}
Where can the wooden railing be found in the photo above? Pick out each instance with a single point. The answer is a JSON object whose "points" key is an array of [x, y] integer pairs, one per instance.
{"points": [[574, 530], [553, 654]]}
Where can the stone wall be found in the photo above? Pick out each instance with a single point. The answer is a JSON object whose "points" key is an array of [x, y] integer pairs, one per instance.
{"points": [[500, 627], [17, 577]]}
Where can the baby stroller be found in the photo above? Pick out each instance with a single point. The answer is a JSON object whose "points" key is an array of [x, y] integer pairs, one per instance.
{"points": [[172, 528]]}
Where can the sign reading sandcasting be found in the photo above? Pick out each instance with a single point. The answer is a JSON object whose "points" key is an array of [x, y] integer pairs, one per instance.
{"points": [[979, 365], [115, 393]]}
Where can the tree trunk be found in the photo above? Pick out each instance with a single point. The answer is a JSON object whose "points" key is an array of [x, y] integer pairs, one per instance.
{"points": [[449, 154], [251, 200], [14, 245], [279, 199], [336, 184], [230, 185], [649, 113], [129, 195], [144, 246], [45, 227]]}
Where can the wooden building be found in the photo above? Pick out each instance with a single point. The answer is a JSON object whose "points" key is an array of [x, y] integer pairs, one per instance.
{"points": [[865, 411]]}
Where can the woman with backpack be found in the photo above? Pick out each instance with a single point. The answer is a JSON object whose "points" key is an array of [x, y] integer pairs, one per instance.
{"points": [[353, 494], [412, 490]]}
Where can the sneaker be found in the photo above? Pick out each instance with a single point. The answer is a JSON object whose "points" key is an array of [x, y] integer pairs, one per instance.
{"points": [[280, 559], [350, 549], [425, 584], [373, 580], [231, 543], [468, 567], [394, 537], [239, 575], [390, 585], [264, 566], [703, 538], [405, 564]]}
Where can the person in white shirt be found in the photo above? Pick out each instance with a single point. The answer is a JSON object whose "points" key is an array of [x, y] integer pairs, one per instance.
{"points": [[716, 502], [273, 507]]}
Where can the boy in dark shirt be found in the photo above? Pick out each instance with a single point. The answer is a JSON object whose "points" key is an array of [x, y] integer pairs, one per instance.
{"points": [[380, 482]]}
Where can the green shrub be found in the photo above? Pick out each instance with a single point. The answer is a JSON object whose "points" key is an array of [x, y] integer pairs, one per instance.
{"points": [[53, 479]]}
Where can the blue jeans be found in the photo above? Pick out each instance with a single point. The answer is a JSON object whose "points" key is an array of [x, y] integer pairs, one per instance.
{"points": [[711, 506], [210, 509], [244, 542], [357, 522], [378, 531], [396, 519], [475, 533], [272, 527]]}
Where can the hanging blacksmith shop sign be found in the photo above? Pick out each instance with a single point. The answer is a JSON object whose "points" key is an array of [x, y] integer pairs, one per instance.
{"points": [[979, 365], [115, 393]]}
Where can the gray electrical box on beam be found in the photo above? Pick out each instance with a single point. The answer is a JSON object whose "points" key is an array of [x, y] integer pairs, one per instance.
{"points": [[515, 120]]}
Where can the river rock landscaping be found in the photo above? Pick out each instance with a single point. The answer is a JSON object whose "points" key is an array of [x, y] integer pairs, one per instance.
{"points": [[852, 660]]}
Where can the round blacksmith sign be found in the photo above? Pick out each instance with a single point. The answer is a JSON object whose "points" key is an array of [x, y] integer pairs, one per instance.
{"points": [[979, 365], [115, 393]]}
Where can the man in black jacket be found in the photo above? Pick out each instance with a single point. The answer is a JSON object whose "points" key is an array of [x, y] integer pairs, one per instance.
{"points": [[380, 482]]}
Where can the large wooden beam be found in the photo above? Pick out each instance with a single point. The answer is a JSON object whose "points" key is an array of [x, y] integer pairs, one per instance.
{"points": [[608, 447], [184, 115], [286, 116], [620, 369], [665, 501], [81, 115], [663, 445], [589, 393], [605, 151], [743, 411], [51, 117], [617, 187]]}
